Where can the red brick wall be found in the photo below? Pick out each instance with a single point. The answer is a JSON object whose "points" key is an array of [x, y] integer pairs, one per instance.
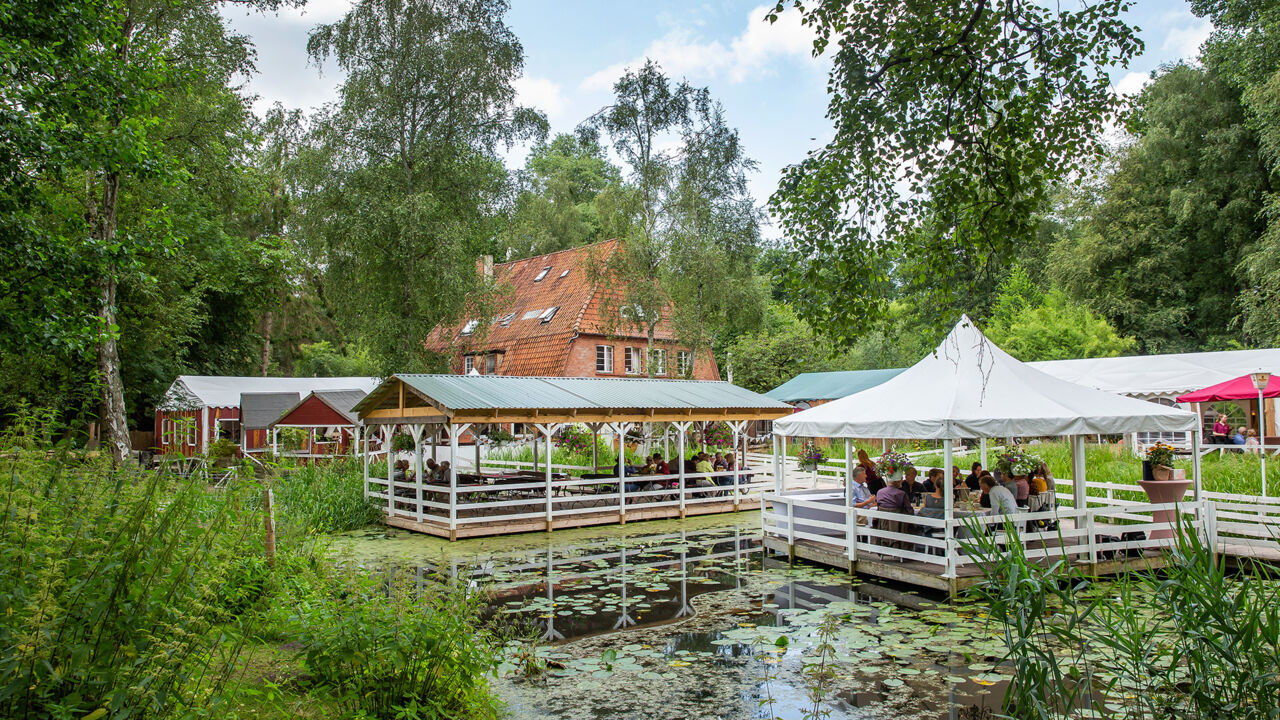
{"points": [[582, 358]]}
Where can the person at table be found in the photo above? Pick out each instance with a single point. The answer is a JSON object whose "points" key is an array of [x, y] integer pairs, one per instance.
{"points": [[985, 500], [1220, 430], [1006, 482], [1251, 440], [432, 469], [860, 495], [932, 481], [934, 503], [909, 484], [875, 483], [975, 472], [892, 498], [1238, 438], [956, 477], [1023, 491], [702, 465], [443, 472], [1039, 497], [719, 463], [1002, 501]]}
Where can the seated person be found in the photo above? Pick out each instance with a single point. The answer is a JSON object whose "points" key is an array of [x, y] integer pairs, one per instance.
{"points": [[1023, 491], [1238, 438], [892, 498], [975, 473], [934, 503], [985, 500], [956, 477], [400, 471], [909, 485], [1039, 497], [861, 495], [430, 472], [874, 482], [703, 465], [719, 463], [1002, 501], [443, 472], [932, 481], [1251, 439]]}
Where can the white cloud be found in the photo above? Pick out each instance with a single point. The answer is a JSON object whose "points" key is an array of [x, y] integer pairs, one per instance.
{"points": [[683, 53], [1131, 84], [541, 93], [1185, 41]]}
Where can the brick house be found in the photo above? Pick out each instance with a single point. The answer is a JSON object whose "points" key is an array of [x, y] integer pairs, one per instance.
{"points": [[551, 322]]}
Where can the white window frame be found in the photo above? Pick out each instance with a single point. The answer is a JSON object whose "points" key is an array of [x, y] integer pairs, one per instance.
{"points": [[548, 314], [542, 274], [658, 359], [191, 433], [633, 361], [468, 364], [604, 359], [684, 363], [166, 431], [470, 327]]}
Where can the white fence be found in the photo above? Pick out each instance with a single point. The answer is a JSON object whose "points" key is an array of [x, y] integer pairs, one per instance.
{"points": [[1081, 535]]}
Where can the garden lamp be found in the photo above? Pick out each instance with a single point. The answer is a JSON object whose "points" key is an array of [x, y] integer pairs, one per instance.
{"points": [[1260, 380]]}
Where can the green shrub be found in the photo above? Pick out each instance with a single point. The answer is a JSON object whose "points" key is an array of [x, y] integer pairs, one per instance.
{"points": [[392, 648], [323, 498], [114, 587]]}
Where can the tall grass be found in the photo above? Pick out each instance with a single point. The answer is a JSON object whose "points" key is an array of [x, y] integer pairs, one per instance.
{"points": [[1192, 642], [324, 498]]}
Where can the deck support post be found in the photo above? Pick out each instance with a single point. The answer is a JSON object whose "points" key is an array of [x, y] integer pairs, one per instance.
{"points": [[622, 472], [681, 429], [848, 473], [781, 459], [365, 435], [434, 437], [416, 431], [1079, 477], [475, 440], [387, 432], [454, 432], [737, 426], [791, 533], [948, 508], [595, 445], [547, 431]]}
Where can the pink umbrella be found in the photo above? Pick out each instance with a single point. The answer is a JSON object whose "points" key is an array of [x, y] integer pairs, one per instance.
{"points": [[1240, 388]]}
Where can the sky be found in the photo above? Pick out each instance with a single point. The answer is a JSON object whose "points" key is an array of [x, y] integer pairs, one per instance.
{"points": [[773, 91]]}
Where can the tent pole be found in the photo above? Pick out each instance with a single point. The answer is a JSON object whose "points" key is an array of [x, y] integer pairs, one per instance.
{"points": [[948, 506], [782, 466], [848, 473], [1078, 473], [982, 443], [1262, 450]]}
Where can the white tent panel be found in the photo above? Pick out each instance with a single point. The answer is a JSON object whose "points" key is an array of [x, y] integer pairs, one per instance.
{"points": [[968, 387], [1162, 375], [194, 391]]}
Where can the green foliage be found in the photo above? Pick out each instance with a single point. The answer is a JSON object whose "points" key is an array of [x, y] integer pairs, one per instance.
{"points": [[953, 121], [784, 347], [570, 195], [392, 647], [396, 183], [120, 589], [324, 498], [1182, 209], [693, 230], [1031, 325], [1195, 642], [322, 359]]}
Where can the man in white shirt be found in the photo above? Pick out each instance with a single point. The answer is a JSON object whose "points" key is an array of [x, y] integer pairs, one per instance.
{"points": [[1002, 501]]}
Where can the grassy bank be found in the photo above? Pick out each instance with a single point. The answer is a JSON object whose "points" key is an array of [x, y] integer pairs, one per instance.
{"points": [[131, 593]]}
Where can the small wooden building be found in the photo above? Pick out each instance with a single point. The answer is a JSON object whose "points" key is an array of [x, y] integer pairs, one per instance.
{"points": [[502, 499], [328, 420]]}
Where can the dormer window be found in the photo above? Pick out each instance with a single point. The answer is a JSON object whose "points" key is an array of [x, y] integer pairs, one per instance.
{"points": [[542, 274], [549, 313], [470, 327]]}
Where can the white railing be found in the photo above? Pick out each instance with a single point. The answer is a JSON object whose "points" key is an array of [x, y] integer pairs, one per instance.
{"points": [[517, 499], [1083, 535]]}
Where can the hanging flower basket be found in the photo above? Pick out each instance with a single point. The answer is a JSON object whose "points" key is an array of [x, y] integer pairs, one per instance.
{"points": [[811, 456], [893, 465]]}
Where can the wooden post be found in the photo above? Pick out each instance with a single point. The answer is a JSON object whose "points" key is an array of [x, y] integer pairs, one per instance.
{"points": [[848, 474], [681, 427], [737, 427], [453, 481], [548, 430], [622, 476], [365, 437], [948, 507], [387, 432], [777, 466], [416, 431], [269, 521]]}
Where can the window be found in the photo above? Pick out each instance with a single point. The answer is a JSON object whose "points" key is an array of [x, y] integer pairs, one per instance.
{"points": [[632, 361], [491, 363], [505, 320], [166, 431], [658, 361], [531, 315], [190, 431], [549, 313], [683, 362], [542, 274], [468, 364], [470, 327], [564, 274], [604, 358]]}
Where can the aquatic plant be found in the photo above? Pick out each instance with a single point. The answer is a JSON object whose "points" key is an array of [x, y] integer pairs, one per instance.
{"points": [[818, 674]]}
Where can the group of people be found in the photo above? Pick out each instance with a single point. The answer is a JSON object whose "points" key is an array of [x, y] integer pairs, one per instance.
{"points": [[999, 493], [1222, 434], [698, 464], [432, 473]]}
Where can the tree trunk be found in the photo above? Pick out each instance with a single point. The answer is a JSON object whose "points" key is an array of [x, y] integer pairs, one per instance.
{"points": [[111, 410], [268, 323], [649, 352]]}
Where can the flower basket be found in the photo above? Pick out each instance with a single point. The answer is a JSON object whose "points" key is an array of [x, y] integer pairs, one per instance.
{"points": [[811, 456], [892, 466]]}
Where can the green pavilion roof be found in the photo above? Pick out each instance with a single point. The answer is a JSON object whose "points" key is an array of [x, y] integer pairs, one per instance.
{"points": [[807, 387]]}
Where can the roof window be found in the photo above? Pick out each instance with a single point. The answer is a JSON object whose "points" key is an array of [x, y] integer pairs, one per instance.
{"points": [[565, 273], [549, 313], [505, 320], [531, 315], [470, 327], [542, 274]]}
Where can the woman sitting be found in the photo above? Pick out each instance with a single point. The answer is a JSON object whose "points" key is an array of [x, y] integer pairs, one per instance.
{"points": [[934, 503], [892, 498]]}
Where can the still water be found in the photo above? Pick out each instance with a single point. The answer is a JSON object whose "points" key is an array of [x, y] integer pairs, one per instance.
{"points": [[683, 619]]}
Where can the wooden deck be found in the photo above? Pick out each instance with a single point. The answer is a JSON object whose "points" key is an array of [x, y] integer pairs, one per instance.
{"points": [[928, 575]]}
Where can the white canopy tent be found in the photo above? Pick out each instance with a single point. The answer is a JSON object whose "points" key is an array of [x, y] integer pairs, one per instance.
{"points": [[968, 387]]}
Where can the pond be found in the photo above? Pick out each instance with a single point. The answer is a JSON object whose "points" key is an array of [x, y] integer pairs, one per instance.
{"points": [[690, 619]]}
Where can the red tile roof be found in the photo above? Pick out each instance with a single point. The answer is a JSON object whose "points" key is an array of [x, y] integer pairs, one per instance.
{"points": [[531, 346]]}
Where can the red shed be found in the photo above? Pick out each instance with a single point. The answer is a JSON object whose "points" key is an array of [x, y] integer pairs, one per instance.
{"points": [[326, 421]]}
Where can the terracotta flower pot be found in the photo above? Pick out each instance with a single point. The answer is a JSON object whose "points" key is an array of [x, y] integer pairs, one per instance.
{"points": [[1161, 473]]}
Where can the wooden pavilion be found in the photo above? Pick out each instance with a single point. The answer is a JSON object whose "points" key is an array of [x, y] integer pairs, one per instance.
{"points": [[500, 500]]}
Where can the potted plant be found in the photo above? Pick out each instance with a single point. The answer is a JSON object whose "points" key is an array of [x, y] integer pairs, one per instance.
{"points": [[893, 465], [1009, 461], [811, 455], [1158, 463]]}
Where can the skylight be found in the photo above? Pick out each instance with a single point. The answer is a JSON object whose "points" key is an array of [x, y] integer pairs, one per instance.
{"points": [[531, 315], [505, 320], [548, 314], [470, 327], [542, 274], [566, 272]]}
